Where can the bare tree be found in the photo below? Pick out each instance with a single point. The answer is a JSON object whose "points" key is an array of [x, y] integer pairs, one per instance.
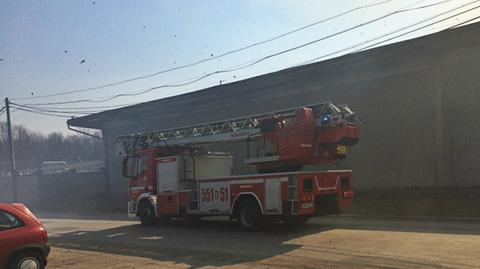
{"points": [[33, 148]]}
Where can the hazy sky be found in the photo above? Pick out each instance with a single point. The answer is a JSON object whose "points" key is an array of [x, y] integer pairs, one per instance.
{"points": [[51, 47]]}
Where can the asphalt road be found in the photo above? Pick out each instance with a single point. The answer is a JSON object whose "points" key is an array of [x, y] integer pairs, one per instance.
{"points": [[329, 242]]}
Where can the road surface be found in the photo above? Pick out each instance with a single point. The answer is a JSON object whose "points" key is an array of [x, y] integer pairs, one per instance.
{"points": [[330, 242]]}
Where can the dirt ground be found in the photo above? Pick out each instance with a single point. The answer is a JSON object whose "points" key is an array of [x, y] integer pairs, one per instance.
{"points": [[331, 242]]}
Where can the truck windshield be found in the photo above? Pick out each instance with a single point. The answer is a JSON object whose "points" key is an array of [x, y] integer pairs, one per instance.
{"points": [[134, 166], [142, 164]]}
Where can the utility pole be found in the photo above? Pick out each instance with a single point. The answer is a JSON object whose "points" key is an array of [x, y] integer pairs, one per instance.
{"points": [[13, 169]]}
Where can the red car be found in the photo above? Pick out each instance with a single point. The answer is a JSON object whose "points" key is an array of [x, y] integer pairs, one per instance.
{"points": [[23, 239]]}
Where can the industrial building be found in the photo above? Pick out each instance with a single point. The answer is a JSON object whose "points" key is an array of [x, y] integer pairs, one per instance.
{"points": [[418, 101]]}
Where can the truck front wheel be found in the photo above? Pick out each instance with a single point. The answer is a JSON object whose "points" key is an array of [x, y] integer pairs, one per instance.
{"points": [[147, 214], [249, 216]]}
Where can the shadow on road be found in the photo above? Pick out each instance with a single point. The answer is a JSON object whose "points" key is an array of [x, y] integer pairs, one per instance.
{"points": [[214, 243], [219, 243]]}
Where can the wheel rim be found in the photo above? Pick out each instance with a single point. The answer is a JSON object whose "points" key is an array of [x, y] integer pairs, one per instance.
{"points": [[247, 216], [28, 263], [147, 214]]}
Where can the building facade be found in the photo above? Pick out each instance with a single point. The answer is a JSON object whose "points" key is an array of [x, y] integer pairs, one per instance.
{"points": [[417, 99]]}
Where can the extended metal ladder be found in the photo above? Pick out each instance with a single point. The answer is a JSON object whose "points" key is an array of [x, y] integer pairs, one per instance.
{"points": [[230, 130]]}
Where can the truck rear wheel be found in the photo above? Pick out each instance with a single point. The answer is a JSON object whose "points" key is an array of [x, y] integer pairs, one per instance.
{"points": [[147, 214], [249, 216]]}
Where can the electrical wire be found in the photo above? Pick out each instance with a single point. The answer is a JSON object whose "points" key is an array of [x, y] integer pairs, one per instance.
{"points": [[398, 30], [48, 112], [420, 28], [464, 22], [3, 110], [55, 111], [61, 111], [254, 62], [86, 108], [210, 58], [44, 113], [250, 63]]}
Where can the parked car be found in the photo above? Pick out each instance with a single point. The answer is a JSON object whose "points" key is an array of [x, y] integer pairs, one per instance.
{"points": [[54, 167], [23, 239]]}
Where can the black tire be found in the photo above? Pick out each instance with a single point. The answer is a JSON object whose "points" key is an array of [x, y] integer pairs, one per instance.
{"points": [[249, 216], [147, 214], [33, 258]]}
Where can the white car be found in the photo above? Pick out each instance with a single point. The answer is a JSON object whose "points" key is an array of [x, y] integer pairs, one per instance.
{"points": [[54, 167]]}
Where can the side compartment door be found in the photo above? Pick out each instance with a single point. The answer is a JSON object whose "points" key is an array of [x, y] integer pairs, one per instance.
{"points": [[273, 196], [167, 185], [214, 197]]}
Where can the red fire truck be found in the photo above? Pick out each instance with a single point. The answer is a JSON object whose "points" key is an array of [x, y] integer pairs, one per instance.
{"points": [[171, 176]]}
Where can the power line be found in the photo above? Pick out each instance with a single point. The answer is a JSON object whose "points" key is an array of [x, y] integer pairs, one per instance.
{"points": [[44, 113], [425, 26], [85, 108], [151, 89], [50, 112], [464, 22], [54, 111], [177, 84], [254, 62], [396, 31], [210, 58]]}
